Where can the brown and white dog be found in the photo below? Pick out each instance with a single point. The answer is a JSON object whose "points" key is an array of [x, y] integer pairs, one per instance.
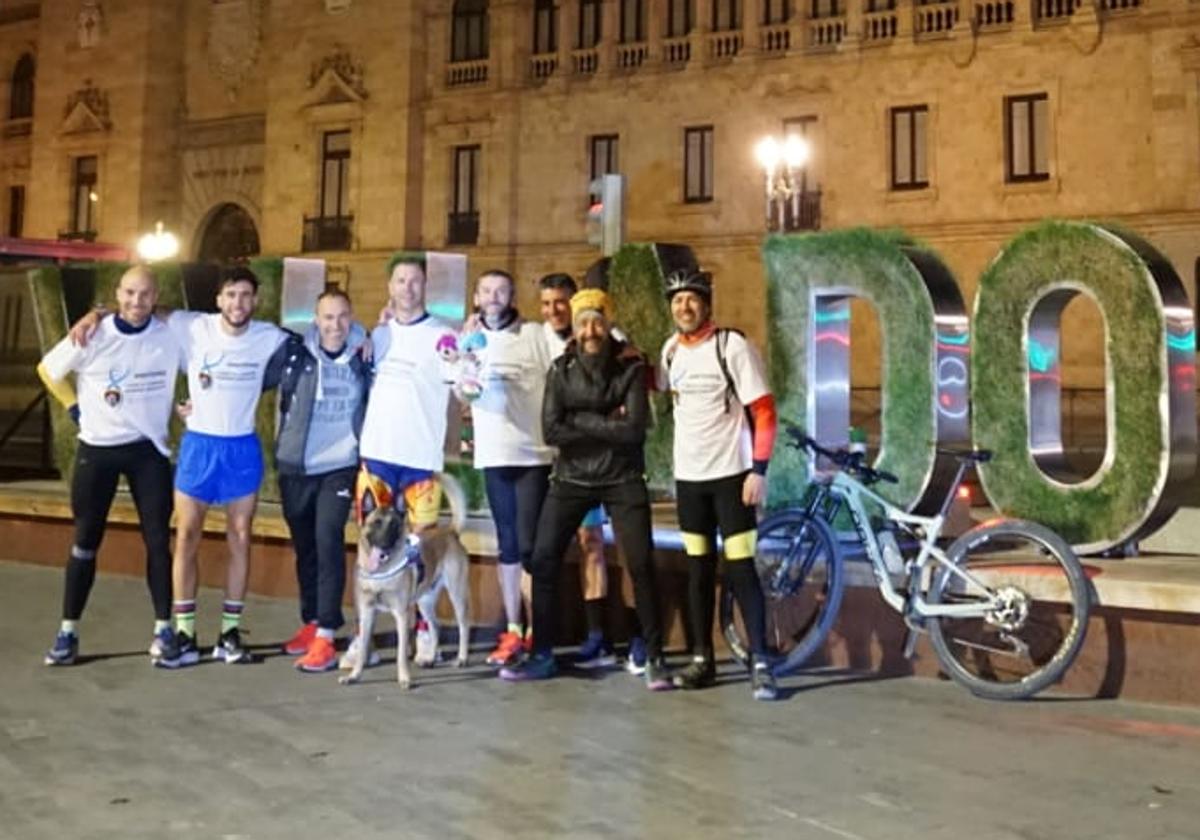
{"points": [[385, 584]]}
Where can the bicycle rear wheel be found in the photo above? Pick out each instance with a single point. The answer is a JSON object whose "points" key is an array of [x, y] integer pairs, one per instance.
{"points": [[1036, 625], [800, 568]]}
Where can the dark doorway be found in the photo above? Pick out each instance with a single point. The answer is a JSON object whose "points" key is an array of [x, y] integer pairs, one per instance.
{"points": [[229, 237]]}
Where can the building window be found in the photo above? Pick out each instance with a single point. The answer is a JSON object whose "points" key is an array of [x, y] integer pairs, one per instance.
{"points": [[805, 128], [20, 99], [679, 18], [335, 174], [464, 209], [469, 30], [776, 11], [602, 159], [698, 164], [1026, 132], [825, 9], [84, 195], [880, 6], [589, 24], [545, 27], [909, 168], [633, 21], [16, 211], [726, 15]]}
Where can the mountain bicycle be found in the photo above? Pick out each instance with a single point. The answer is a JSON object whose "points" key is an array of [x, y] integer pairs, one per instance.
{"points": [[1006, 605]]}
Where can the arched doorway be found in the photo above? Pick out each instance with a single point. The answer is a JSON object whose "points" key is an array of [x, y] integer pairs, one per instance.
{"points": [[230, 236]]}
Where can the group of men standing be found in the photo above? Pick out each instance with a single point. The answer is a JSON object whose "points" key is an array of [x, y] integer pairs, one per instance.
{"points": [[560, 416]]}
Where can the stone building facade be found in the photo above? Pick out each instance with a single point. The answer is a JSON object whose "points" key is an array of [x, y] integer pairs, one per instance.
{"points": [[349, 128]]}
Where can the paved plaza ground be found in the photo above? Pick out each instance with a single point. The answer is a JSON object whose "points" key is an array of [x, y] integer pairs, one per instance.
{"points": [[115, 749]]}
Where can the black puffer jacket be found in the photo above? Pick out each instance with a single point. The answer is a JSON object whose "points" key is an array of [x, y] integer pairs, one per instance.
{"points": [[595, 412]]}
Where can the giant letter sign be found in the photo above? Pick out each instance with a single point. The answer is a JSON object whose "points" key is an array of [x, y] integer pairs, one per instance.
{"points": [[924, 341], [1150, 395]]}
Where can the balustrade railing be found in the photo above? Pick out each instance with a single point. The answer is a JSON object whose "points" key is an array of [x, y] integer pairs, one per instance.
{"points": [[543, 65], [993, 15], [463, 73], [932, 19], [1054, 11], [585, 62], [677, 51], [776, 38], [826, 32], [632, 56], [879, 27], [724, 44]]}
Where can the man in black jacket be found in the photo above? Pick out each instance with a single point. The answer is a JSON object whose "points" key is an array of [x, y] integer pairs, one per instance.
{"points": [[595, 411], [323, 383]]}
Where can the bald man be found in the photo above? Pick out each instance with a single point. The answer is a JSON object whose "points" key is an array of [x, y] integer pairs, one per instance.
{"points": [[121, 402]]}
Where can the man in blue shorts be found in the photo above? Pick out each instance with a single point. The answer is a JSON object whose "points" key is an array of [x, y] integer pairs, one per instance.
{"points": [[220, 457]]}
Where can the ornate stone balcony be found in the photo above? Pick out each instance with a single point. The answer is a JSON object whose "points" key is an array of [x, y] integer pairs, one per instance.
{"points": [[467, 73], [775, 38], [935, 19], [542, 66]]}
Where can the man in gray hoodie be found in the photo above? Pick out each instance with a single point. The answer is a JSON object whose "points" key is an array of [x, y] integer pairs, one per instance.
{"points": [[323, 384]]}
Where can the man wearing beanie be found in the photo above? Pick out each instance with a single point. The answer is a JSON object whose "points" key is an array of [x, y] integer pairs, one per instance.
{"points": [[595, 411]]}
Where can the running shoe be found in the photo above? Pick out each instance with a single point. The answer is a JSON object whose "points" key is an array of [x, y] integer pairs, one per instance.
{"points": [[658, 675], [346, 662], [595, 652], [635, 663], [527, 641], [762, 681], [64, 651], [189, 653], [508, 648], [320, 656], [538, 666], [701, 672], [298, 644], [229, 648], [164, 650]]}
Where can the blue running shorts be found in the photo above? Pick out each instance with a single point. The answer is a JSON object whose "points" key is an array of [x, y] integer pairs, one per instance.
{"points": [[216, 469]]}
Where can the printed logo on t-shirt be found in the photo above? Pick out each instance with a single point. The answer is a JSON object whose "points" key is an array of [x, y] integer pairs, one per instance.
{"points": [[205, 376], [112, 394]]}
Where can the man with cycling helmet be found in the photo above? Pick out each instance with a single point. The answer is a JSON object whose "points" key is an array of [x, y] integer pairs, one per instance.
{"points": [[724, 431]]}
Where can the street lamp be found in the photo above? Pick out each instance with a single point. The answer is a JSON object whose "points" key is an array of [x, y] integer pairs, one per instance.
{"points": [[159, 245], [783, 169]]}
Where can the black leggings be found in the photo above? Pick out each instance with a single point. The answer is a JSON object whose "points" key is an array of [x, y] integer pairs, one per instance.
{"points": [[705, 506], [97, 470], [316, 508], [515, 495], [628, 505]]}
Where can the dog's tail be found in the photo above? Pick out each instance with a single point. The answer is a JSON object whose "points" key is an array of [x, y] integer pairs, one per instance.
{"points": [[457, 499]]}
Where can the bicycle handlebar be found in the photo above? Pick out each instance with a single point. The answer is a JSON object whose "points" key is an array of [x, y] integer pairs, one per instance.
{"points": [[851, 462]]}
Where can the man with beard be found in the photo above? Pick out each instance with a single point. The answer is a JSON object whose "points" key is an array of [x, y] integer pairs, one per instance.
{"points": [[724, 432], [507, 418], [595, 411]]}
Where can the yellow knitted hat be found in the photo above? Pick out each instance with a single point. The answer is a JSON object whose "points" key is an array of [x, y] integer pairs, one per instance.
{"points": [[591, 300]]}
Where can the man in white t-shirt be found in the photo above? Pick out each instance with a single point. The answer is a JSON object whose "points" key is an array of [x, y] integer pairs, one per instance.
{"points": [[509, 449], [404, 431], [724, 432], [220, 456], [124, 384]]}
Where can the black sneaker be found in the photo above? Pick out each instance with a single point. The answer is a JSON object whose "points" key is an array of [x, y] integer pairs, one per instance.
{"points": [[174, 650], [701, 672], [762, 680], [229, 648], [64, 651]]}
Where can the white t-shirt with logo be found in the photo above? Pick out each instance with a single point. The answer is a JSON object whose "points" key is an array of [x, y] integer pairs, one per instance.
{"points": [[225, 372], [711, 442], [508, 414], [125, 383], [410, 398]]}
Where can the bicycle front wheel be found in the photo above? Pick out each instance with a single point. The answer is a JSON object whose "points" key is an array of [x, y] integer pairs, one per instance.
{"points": [[1033, 600], [800, 568]]}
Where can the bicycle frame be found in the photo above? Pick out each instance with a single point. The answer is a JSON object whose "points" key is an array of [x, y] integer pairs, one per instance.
{"points": [[848, 491]]}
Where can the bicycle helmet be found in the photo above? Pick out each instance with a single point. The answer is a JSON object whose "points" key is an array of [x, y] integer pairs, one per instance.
{"points": [[689, 280]]}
